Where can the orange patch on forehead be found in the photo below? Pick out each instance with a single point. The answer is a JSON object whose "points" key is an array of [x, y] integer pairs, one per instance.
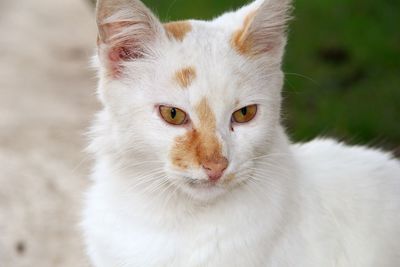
{"points": [[178, 29], [199, 145], [241, 41], [185, 76], [206, 116]]}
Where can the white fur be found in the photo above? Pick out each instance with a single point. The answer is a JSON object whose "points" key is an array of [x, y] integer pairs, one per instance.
{"points": [[314, 205]]}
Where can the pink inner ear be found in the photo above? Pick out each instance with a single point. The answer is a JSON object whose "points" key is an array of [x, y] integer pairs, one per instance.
{"points": [[122, 53], [119, 48], [119, 53], [115, 56]]}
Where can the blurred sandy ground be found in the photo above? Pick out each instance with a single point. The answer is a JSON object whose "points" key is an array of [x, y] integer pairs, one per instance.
{"points": [[46, 102]]}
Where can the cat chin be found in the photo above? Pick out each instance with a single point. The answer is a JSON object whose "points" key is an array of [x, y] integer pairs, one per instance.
{"points": [[203, 192]]}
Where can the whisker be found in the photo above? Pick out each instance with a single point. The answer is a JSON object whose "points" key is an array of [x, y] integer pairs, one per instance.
{"points": [[303, 76]]}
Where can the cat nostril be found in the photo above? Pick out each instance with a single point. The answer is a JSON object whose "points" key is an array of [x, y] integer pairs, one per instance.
{"points": [[207, 168], [215, 168]]}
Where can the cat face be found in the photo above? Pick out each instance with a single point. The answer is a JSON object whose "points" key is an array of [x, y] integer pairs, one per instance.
{"points": [[196, 101]]}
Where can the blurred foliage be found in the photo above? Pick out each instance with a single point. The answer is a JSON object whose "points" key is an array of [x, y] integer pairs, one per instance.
{"points": [[349, 55], [342, 66]]}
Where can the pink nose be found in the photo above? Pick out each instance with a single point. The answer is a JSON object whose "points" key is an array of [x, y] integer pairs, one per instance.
{"points": [[215, 168]]}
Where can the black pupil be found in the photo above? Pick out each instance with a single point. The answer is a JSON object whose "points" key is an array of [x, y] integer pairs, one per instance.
{"points": [[173, 113], [244, 111]]}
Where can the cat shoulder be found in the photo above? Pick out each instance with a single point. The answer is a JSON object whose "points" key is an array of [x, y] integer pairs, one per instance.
{"points": [[329, 159]]}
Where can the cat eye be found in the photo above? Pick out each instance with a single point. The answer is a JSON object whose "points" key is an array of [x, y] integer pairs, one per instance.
{"points": [[172, 115], [245, 114]]}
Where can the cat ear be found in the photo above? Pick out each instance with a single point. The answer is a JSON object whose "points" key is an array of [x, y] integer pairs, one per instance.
{"points": [[127, 29], [263, 28]]}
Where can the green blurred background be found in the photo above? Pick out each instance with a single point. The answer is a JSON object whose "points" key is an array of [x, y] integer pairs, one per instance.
{"points": [[342, 66]]}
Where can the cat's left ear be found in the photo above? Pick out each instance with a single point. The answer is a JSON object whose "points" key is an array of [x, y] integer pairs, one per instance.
{"points": [[128, 30], [263, 27]]}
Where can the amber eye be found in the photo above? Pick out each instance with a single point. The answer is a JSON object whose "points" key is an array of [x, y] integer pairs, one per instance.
{"points": [[245, 114], [173, 115]]}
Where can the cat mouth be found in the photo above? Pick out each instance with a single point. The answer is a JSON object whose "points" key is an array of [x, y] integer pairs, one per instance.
{"points": [[201, 183], [205, 189], [226, 180]]}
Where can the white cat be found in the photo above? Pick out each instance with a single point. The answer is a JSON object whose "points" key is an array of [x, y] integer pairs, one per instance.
{"points": [[193, 167]]}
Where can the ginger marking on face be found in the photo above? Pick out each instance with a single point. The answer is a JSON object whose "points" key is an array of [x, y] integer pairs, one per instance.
{"points": [[184, 77], [178, 29], [229, 178], [200, 145], [241, 41]]}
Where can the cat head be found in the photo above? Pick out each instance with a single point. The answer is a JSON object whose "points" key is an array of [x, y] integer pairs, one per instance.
{"points": [[193, 102]]}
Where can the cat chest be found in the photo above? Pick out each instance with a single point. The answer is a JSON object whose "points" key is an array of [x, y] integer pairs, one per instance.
{"points": [[208, 245]]}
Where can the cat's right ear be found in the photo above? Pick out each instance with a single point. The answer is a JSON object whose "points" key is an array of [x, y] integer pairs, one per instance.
{"points": [[262, 29], [127, 31]]}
